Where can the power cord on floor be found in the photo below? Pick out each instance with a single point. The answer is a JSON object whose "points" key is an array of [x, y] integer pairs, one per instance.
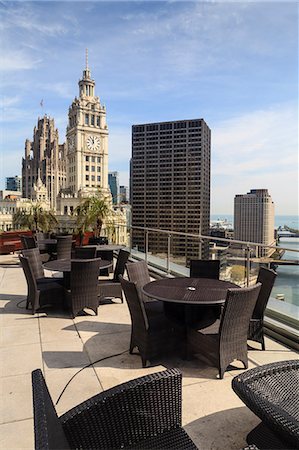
{"points": [[85, 367], [21, 301]]}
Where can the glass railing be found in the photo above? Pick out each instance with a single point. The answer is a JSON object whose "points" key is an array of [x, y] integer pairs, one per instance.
{"points": [[170, 252]]}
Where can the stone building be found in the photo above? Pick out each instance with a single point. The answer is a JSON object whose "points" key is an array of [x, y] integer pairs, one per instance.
{"points": [[44, 159]]}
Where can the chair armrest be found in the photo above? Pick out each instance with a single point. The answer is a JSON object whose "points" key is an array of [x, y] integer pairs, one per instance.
{"points": [[128, 413]]}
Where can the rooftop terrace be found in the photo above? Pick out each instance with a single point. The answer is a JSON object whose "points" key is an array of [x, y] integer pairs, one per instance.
{"points": [[213, 415]]}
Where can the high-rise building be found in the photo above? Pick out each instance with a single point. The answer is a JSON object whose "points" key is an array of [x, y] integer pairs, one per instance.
{"points": [[87, 141], [44, 160], [170, 184], [113, 181], [13, 183], [124, 194], [254, 219]]}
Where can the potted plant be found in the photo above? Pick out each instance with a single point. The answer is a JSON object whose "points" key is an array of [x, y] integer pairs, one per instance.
{"points": [[90, 214]]}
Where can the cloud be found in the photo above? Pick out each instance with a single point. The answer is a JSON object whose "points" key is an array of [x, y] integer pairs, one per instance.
{"points": [[17, 60]]}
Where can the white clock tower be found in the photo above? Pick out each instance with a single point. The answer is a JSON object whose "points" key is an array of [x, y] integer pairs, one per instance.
{"points": [[87, 141]]}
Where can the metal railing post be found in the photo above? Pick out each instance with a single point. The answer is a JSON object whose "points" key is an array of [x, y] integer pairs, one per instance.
{"points": [[168, 253], [247, 264], [146, 245], [131, 237]]}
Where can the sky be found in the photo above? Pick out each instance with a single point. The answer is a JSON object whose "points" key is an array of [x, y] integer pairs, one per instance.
{"points": [[234, 64]]}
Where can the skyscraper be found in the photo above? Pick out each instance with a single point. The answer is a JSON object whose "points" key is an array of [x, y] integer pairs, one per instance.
{"points": [[254, 219], [124, 194], [13, 183], [44, 160], [113, 181], [170, 183]]}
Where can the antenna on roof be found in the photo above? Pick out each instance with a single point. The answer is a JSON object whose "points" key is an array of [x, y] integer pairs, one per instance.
{"points": [[86, 58]]}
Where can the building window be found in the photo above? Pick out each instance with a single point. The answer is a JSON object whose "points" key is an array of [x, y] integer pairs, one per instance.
{"points": [[65, 210], [86, 119], [86, 177], [92, 119], [93, 159], [86, 158], [93, 178], [98, 121], [98, 159], [87, 168], [93, 169], [98, 168], [98, 178]]}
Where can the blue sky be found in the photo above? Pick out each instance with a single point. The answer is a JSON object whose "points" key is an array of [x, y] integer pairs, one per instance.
{"points": [[235, 64]]}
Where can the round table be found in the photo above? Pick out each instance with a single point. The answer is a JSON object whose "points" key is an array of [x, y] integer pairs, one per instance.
{"points": [[189, 291], [64, 265]]}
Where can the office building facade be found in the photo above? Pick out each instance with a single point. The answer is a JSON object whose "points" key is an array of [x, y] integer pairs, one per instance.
{"points": [[13, 183], [170, 184], [254, 219], [124, 194], [113, 181]]}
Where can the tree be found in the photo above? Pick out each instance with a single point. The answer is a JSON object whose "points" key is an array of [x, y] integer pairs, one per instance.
{"points": [[35, 218], [90, 214]]}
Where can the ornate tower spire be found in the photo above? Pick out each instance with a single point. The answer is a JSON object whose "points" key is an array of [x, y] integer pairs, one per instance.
{"points": [[86, 85]]}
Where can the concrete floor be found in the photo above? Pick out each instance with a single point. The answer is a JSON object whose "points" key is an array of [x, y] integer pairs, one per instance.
{"points": [[213, 415]]}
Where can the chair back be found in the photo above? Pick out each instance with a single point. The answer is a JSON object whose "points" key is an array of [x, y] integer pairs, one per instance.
{"points": [[85, 252], [35, 262], [122, 258], [136, 306], [39, 237], [266, 277], [200, 268], [64, 247], [28, 242], [48, 429], [84, 284], [139, 274], [237, 312], [32, 295]]}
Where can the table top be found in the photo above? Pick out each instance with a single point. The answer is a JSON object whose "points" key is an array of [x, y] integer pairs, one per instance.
{"points": [[106, 247], [198, 291], [64, 265]]}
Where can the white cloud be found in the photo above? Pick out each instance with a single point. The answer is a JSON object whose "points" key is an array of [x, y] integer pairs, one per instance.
{"points": [[17, 60]]}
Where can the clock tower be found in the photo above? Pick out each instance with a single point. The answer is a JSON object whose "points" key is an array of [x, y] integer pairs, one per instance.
{"points": [[87, 141]]}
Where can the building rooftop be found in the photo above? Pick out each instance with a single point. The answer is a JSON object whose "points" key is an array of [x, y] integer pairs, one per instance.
{"points": [[213, 415]]}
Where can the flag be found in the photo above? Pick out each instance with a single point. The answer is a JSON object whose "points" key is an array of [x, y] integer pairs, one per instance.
{"points": [[42, 102]]}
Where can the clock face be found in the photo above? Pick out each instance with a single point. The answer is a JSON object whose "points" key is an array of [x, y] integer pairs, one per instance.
{"points": [[93, 143], [71, 142]]}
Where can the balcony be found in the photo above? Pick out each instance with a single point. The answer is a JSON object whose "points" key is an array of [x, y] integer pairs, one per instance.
{"points": [[213, 415]]}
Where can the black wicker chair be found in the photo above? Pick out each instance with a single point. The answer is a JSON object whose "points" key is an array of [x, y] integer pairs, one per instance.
{"points": [[112, 288], [40, 293], [226, 339], [200, 268], [40, 236], [35, 261], [139, 274], [64, 247], [85, 252], [256, 325], [145, 413], [271, 392], [152, 333], [28, 242], [83, 292]]}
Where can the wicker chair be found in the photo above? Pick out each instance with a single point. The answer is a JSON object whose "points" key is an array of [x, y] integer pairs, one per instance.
{"points": [[139, 274], [85, 252], [226, 339], [200, 268], [256, 325], [40, 236], [28, 242], [270, 392], [36, 265], [40, 293], [145, 413], [153, 334], [112, 288], [83, 290], [64, 247]]}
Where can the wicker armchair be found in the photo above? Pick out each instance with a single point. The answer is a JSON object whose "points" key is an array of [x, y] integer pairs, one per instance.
{"points": [[152, 333], [200, 268], [145, 413], [112, 288], [256, 325], [85, 252], [226, 339], [139, 274], [40, 293], [64, 247], [83, 292], [270, 392], [35, 261]]}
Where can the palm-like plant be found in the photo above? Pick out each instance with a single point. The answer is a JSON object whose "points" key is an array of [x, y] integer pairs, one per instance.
{"points": [[90, 214], [35, 218]]}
